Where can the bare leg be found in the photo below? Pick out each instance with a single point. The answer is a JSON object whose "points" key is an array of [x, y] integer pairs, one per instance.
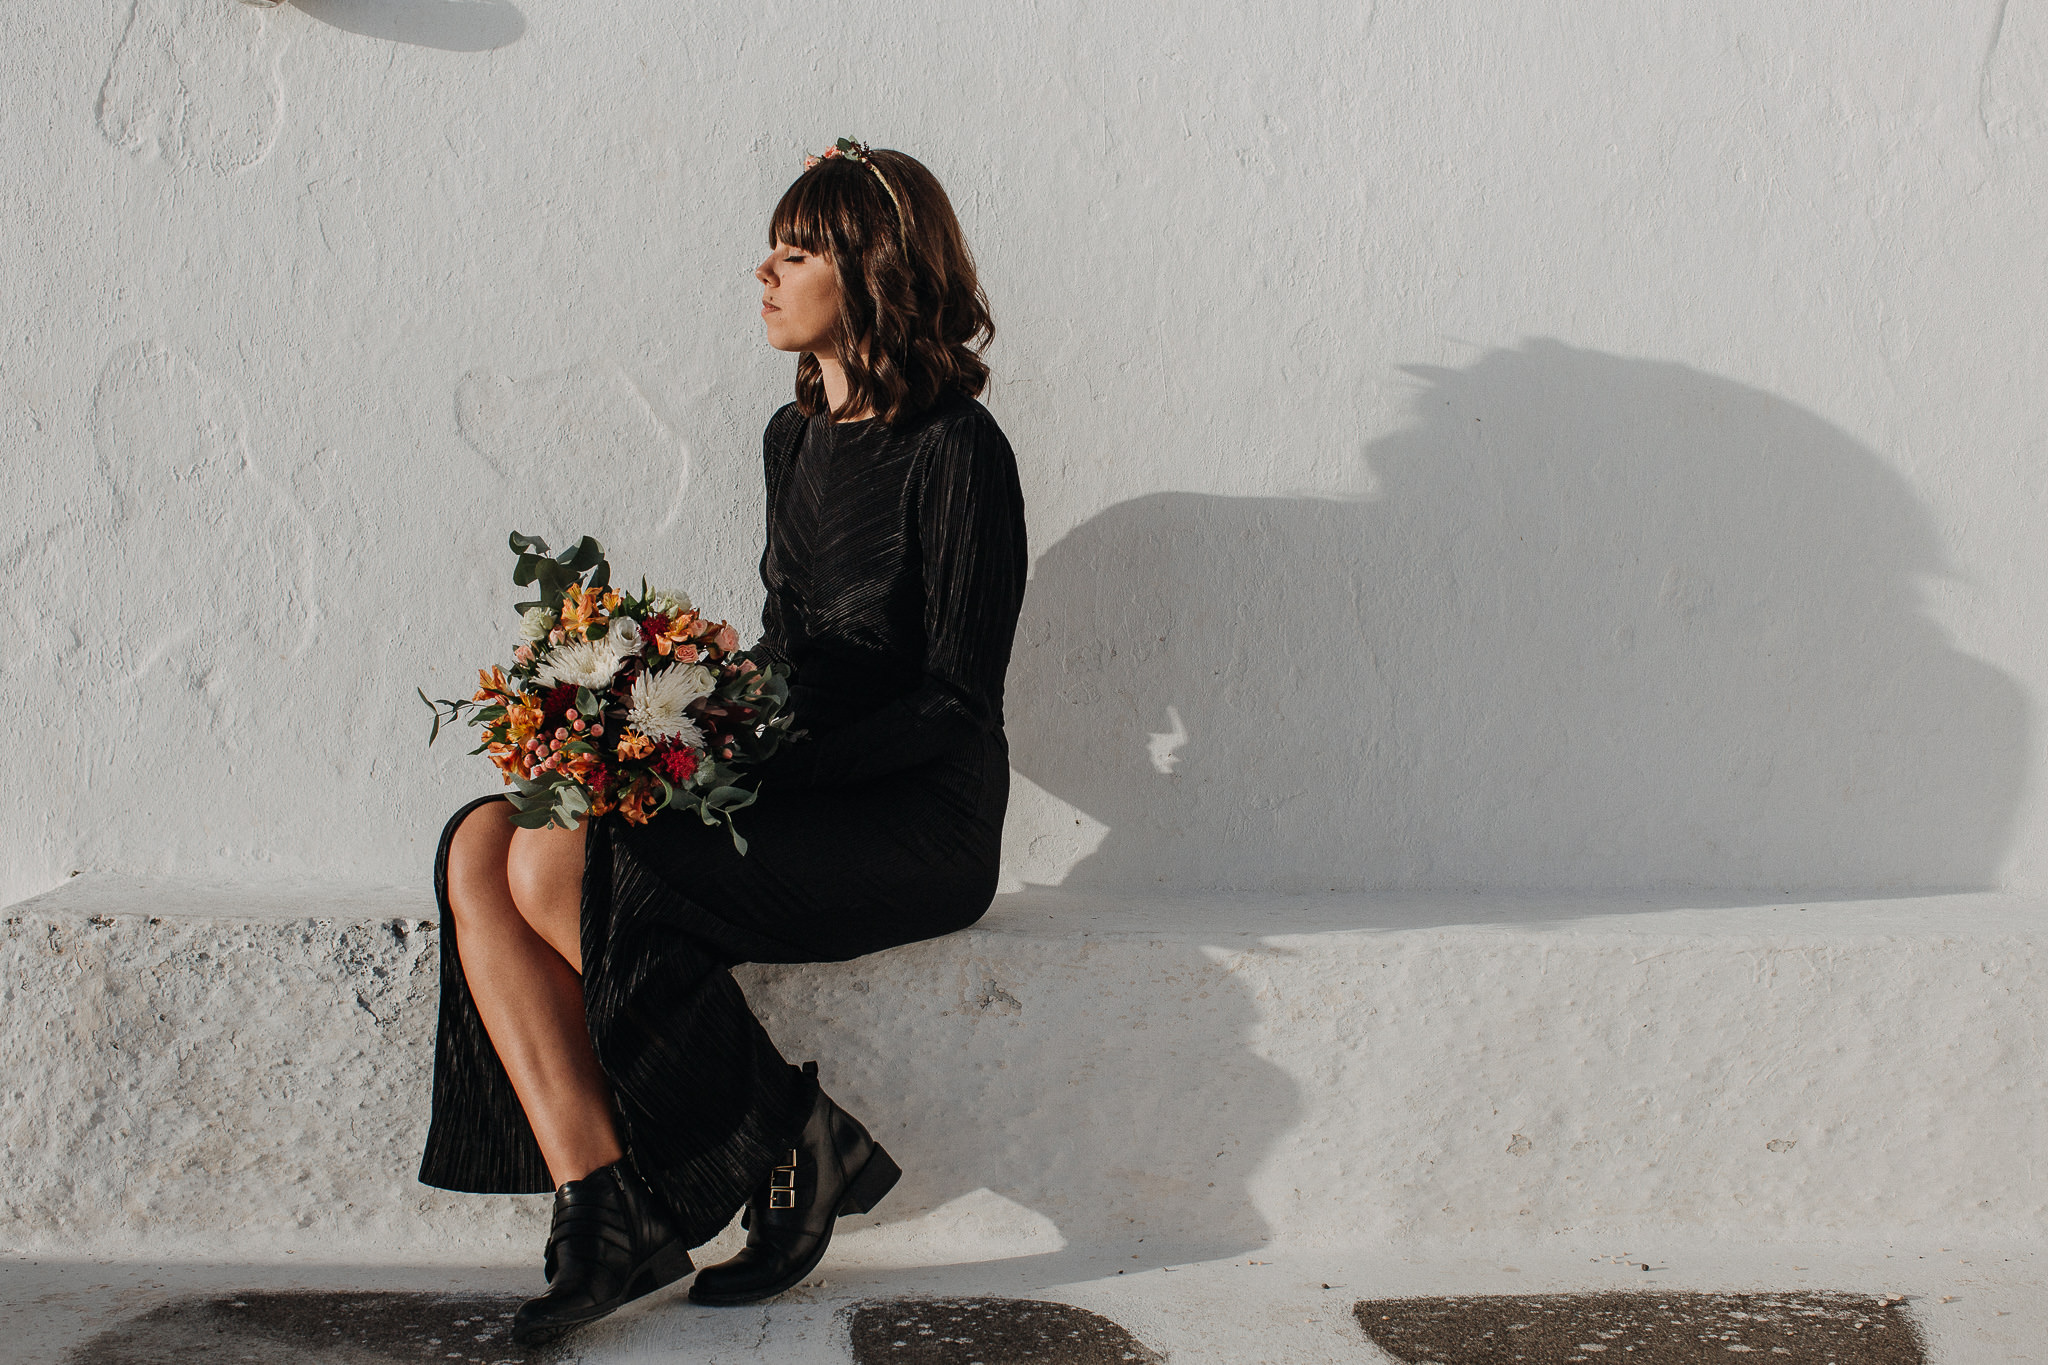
{"points": [[545, 870], [526, 989]]}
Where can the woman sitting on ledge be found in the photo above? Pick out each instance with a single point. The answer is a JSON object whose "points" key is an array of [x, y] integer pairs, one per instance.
{"points": [[592, 1040]]}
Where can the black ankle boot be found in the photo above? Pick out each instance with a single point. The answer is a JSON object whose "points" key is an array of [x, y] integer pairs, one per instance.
{"points": [[611, 1242], [835, 1169]]}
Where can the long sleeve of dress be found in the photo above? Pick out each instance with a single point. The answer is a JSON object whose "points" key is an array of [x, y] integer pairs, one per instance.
{"points": [[969, 518], [778, 452]]}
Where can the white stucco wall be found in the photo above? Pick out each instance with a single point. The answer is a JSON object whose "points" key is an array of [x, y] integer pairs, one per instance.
{"points": [[199, 1069], [1468, 443]]}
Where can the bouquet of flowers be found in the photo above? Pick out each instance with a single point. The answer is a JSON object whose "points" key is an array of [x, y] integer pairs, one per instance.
{"points": [[617, 702]]}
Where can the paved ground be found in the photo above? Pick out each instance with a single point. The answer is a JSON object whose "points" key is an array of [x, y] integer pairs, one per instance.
{"points": [[1656, 1327], [1880, 1306]]}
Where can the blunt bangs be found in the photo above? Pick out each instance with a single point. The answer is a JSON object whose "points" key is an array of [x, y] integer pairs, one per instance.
{"points": [[822, 198]]}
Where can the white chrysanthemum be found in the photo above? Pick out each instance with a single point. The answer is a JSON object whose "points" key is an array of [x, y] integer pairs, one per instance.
{"points": [[670, 602], [535, 624], [626, 635], [582, 663], [660, 697]]}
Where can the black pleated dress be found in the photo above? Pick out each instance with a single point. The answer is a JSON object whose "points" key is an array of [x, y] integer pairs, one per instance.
{"points": [[895, 567]]}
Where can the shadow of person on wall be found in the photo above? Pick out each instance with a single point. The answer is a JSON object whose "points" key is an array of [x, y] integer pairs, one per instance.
{"points": [[1604, 624], [1129, 1115]]}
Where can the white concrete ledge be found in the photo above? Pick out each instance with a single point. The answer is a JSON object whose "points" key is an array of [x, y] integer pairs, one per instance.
{"points": [[203, 1069]]}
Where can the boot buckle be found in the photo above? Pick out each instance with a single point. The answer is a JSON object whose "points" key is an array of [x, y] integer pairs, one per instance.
{"points": [[782, 1184]]}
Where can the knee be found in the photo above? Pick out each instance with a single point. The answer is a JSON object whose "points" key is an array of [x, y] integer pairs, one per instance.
{"points": [[544, 872], [477, 862]]}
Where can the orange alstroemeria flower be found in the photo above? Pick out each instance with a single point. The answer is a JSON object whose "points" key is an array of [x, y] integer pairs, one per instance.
{"points": [[634, 745], [491, 684], [525, 722], [672, 638], [633, 805], [582, 608]]}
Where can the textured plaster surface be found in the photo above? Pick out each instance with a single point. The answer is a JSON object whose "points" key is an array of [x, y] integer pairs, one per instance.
{"points": [[238, 1077], [194, 1070], [1469, 444]]}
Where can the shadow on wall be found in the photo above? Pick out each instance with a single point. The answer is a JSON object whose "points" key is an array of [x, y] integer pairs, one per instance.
{"points": [[1603, 624], [1113, 1091], [451, 25]]}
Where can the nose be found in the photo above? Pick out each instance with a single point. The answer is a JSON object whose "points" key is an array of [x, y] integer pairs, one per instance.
{"points": [[763, 273]]}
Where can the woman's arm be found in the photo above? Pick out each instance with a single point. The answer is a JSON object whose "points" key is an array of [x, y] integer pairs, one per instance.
{"points": [[779, 442]]}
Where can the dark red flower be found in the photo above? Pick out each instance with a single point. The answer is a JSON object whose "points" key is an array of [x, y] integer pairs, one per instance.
{"points": [[678, 765], [558, 699]]}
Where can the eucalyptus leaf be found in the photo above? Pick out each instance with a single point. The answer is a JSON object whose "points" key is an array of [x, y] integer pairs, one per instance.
{"points": [[729, 798]]}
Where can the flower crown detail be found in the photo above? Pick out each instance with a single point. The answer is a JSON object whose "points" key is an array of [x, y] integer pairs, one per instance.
{"points": [[847, 149]]}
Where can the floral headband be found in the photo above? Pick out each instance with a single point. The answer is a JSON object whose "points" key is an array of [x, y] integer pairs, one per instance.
{"points": [[846, 149]]}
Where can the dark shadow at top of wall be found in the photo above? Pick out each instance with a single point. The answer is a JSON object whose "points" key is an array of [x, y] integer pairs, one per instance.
{"points": [[451, 25], [1604, 624]]}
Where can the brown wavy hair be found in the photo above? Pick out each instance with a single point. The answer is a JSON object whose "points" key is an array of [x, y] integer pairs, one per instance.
{"points": [[913, 321]]}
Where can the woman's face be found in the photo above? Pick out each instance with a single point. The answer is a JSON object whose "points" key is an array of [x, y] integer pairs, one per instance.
{"points": [[799, 300]]}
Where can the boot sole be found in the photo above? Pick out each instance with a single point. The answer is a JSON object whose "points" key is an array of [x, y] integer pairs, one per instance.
{"points": [[863, 1192], [665, 1266]]}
